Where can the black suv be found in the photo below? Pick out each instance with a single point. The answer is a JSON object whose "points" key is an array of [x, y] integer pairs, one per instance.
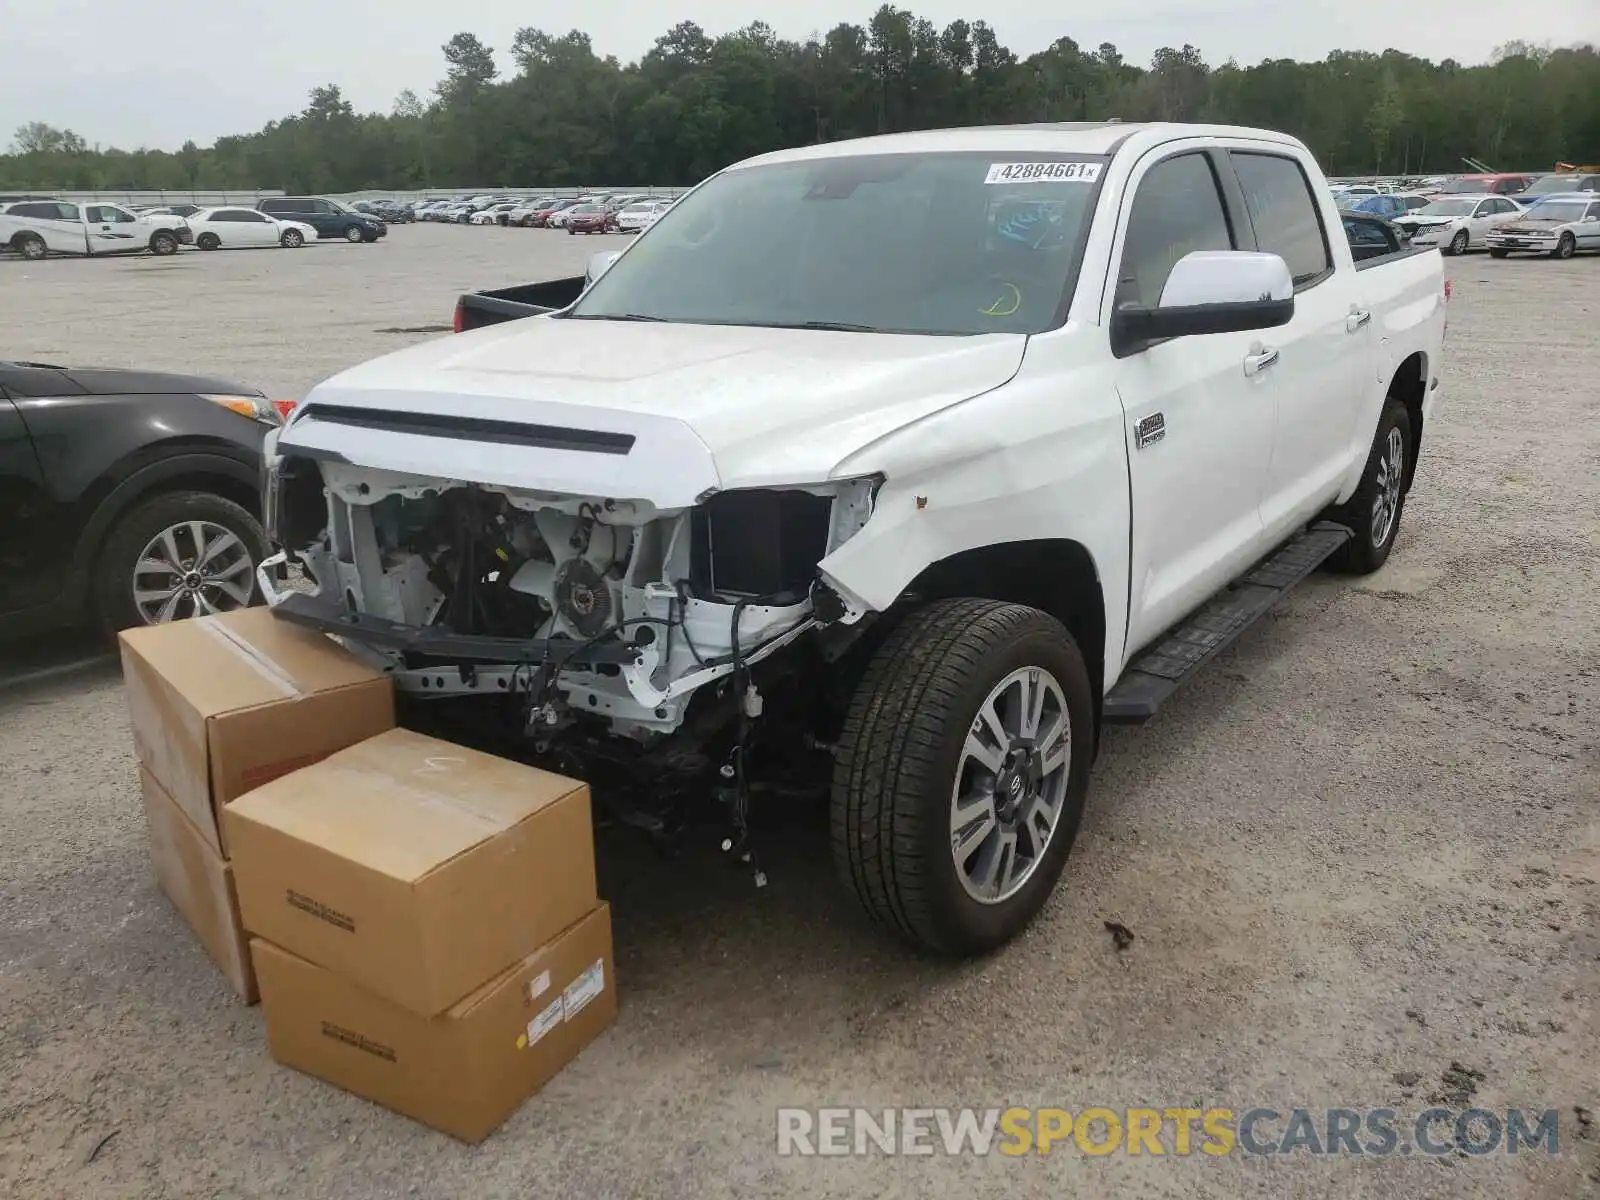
{"points": [[328, 217], [128, 497]]}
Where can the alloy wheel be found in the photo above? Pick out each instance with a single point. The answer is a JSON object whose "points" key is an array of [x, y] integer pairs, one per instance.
{"points": [[191, 569], [1390, 480]]}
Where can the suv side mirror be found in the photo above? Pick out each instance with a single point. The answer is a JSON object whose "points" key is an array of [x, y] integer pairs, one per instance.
{"points": [[1209, 291]]}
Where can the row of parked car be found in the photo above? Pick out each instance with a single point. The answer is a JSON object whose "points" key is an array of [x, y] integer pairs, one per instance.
{"points": [[602, 212], [37, 227], [1556, 214]]}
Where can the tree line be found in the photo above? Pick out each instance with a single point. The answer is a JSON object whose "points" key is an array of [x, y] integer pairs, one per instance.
{"points": [[565, 115]]}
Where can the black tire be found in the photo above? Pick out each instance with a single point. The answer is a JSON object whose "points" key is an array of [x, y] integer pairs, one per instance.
{"points": [[163, 243], [208, 241], [1499, 253], [1366, 551], [1566, 246], [31, 246], [114, 569], [1459, 243], [898, 758], [353, 233], [292, 239]]}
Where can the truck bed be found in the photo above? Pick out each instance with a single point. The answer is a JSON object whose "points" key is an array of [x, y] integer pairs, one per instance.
{"points": [[477, 309]]}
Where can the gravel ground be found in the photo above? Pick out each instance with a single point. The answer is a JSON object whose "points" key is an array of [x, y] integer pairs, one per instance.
{"points": [[1361, 848]]}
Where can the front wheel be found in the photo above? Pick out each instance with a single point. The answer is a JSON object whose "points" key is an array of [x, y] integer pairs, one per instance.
{"points": [[1566, 246], [208, 241], [179, 555], [1458, 244], [292, 239], [1373, 513], [352, 233], [163, 244], [961, 773]]}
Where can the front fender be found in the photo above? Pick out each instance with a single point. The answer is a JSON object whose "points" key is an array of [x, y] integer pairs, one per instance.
{"points": [[1042, 457]]}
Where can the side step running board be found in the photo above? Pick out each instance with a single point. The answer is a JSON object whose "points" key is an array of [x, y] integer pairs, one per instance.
{"points": [[1164, 667]]}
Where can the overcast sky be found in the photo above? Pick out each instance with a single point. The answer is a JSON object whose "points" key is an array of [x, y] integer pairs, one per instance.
{"points": [[131, 76]]}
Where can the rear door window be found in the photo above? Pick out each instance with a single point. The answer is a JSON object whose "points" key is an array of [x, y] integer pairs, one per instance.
{"points": [[1278, 196]]}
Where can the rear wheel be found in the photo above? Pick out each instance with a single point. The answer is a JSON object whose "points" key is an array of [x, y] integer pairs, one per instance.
{"points": [[1566, 246], [31, 246], [961, 773], [1373, 513], [352, 233], [1458, 244], [208, 241], [180, 555], [1499, 253]]}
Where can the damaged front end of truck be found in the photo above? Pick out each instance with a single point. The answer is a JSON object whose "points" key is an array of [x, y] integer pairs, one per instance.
{"points": [[612, 631]]}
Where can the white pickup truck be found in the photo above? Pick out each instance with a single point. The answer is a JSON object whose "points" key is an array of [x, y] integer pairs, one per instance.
{"points": [[36, 228], [922, 455]]}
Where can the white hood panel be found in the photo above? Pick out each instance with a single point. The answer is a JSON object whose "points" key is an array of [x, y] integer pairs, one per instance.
{"points": [[708, 405]]}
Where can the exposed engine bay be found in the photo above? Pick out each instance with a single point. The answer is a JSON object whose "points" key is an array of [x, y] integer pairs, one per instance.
{"points": [[585, 609]]}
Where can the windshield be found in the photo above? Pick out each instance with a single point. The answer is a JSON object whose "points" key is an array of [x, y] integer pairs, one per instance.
{"points": [[1448, 208], [1563, 209], [1469, 185], [337, 207], [1547, 185], [905, 243]]}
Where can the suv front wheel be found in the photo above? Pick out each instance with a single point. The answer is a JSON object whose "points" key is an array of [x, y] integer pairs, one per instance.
{"points": [[961, 773]]}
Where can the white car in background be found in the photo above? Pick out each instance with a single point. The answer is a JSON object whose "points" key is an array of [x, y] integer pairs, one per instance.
{"points": [[1558, 225], [495, 214], [241, 228], [1457, 224], [636, 218]]}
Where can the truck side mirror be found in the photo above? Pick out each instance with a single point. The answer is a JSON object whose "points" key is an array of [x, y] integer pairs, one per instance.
{"points": [[1209, 291], [599, 264]]}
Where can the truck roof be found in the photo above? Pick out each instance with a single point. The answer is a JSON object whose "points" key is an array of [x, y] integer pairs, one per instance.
{"points": [[1056, 137]]}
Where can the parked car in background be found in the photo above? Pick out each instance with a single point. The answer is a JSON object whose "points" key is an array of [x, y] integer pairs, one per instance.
{"points": [[328, 217], [1457, 224], [1389, 204], [176, 210], [1559, 182], [1559, 225], [243, 228], [522, 214], [129, 497], [1372, 236], [496, 214], [36, 228], [540, 217], [559, 218], [589, 218], [640, 215], [1498, 184]]}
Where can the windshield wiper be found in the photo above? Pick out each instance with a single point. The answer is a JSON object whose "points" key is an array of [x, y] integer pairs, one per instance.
{"points": [[613, 317], [832, 326]]}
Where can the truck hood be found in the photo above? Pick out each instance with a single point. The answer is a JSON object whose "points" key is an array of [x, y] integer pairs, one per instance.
{"points": [[699, 406]]}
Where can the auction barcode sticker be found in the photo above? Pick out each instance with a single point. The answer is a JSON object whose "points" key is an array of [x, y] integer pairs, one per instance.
{"points": [[1043, 172]]}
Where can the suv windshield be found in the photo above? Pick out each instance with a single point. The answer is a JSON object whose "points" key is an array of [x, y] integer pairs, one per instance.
{"points": [[953, 243]]}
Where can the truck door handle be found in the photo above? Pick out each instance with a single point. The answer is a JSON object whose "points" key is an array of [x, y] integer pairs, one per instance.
{"points": [[1356, 320], [1254, 364]]}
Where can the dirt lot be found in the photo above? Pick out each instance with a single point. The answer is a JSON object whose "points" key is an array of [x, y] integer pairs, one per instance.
{"points": [[1361, 848]]}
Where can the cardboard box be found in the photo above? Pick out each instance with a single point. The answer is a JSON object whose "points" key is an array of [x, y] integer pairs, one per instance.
{"points": [[415, 867], [222, 704], [463, 1071], [200, 884]]}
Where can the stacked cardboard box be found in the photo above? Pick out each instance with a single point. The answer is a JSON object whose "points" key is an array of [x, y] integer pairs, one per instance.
{"points": [[219, 705], [425, 925]]}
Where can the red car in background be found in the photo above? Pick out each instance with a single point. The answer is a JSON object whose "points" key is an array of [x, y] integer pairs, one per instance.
{"points": [[540, 218], [591, 218]]}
